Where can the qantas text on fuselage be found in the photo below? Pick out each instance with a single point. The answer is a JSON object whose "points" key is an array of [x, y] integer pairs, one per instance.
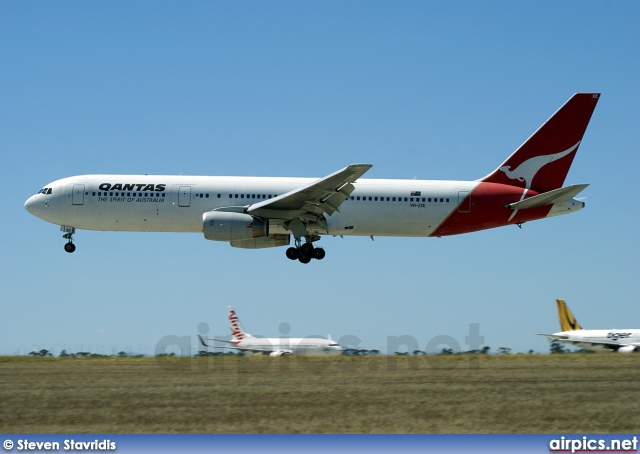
{"points": [[261, 212]]}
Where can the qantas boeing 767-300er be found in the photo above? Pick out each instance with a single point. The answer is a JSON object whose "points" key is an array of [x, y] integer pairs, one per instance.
{"points": [[261, 212]]}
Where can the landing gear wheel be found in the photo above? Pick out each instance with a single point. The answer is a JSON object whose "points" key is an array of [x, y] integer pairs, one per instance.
{"points": [[292, 253], [307, 249], [69, 247], [304, 258], [318, 253]]}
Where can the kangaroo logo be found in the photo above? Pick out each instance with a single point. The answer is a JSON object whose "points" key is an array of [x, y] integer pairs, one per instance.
{"points": [[528, 169]]}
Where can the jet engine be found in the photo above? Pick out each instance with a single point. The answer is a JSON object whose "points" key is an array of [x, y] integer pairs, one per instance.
{"points": [[279, 353], [626, 349], [225, 226]]}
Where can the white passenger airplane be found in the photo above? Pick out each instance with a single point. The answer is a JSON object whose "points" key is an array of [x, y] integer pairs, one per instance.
{"points": [[261, 212], [274, 346], [597, 340]]}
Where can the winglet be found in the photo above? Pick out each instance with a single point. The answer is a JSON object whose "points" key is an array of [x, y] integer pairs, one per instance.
{"points": [[202, 341]]}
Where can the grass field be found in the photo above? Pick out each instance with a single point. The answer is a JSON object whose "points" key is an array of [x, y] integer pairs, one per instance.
{"points": [[438, 394]]}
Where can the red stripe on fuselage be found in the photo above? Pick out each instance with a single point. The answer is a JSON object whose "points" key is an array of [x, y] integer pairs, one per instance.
{"points": [[487, 209]]}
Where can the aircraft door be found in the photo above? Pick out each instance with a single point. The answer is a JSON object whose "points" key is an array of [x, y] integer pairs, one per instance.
{"points": [[184, 196], [77, 194], [464, 202]]}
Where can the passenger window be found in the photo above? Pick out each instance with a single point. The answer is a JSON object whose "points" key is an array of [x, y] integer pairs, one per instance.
{"points": [[375, 198]]}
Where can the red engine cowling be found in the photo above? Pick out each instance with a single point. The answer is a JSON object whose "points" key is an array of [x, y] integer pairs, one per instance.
{"points": [[224, 226]]}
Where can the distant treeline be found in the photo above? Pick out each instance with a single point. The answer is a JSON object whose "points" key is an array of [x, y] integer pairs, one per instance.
{"points": [[555, 347]]}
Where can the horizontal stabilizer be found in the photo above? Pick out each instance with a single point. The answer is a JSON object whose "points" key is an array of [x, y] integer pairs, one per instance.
{"points": [[549, 198], [553, 336]]}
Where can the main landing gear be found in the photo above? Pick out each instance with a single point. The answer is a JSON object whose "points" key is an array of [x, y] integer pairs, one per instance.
{"points": [[305, 252], [69, 246]]}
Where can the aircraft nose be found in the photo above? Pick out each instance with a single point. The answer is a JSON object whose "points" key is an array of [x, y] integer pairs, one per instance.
{"points": [[29, 204]]}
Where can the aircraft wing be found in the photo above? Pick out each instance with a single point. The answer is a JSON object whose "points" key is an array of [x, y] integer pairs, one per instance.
{"points": [[549, 198], [203, 341], [309, 203]]}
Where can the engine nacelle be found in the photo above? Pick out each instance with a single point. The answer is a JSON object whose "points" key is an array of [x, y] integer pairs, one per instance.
{"points": [[280, 353], [626, 349], [225, 226]]}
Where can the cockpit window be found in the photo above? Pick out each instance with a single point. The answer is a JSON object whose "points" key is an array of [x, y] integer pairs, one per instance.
{"points": [[49, 191], [44, 191]]}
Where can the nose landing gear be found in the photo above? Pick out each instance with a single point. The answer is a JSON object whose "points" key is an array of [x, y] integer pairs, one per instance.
{"points": [[69, 246], [305, 252]]}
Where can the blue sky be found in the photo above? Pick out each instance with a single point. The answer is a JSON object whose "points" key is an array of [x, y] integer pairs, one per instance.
{"points": [[433, 90]]}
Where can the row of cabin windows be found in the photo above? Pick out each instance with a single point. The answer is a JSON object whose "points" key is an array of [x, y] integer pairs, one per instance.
{"points": [[250, 196], [264, 196], [126, 194], [400, 199], [162, 194]]}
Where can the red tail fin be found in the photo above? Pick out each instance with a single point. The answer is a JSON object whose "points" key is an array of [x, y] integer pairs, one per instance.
{"points": [[543, 161]]}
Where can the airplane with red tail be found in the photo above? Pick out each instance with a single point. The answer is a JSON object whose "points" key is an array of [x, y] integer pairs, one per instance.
{"points": [[262, 212], [274, 346]]}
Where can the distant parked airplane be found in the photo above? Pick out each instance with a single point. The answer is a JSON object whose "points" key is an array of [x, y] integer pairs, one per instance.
{"points": [[261, 212], [274, 346], [597, 340]]}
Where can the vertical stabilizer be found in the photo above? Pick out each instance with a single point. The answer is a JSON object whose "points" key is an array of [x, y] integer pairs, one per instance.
{"points": [[542, 162], [237, 330], [567, 321]]}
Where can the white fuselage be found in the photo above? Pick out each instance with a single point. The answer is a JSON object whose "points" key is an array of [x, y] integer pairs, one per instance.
{"points": [[177, 204], [295, 346], [598, 339]]}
